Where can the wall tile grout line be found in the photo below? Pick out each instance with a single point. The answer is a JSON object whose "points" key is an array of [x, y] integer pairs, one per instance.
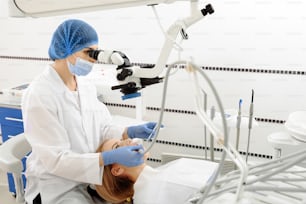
{"points": [[187, 112], [226, 69], [208, 148]]}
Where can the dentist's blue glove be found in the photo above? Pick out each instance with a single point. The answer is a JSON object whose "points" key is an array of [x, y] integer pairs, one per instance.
{"points": [[141, 131], [128, 156]]}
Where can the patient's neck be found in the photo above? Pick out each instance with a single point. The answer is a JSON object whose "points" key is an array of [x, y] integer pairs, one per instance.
{"points": [[134, 172]]}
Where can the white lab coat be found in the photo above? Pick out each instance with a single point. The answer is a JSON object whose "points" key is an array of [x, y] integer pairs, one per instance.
{"points": [[64, 129], [174, 182]]}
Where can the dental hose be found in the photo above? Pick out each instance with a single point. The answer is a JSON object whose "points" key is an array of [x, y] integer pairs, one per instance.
{"points": [[212, 116], [162, 108], [206, 189]]}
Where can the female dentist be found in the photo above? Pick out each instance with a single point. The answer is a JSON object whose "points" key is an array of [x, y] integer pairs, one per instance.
{"points": [[65, 123]]}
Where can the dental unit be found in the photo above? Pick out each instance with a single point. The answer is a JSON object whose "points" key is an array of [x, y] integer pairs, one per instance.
{"points": [[283, 178]]}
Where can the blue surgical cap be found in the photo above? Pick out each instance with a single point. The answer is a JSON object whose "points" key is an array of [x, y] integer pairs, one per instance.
{"points": [[71, 36]]}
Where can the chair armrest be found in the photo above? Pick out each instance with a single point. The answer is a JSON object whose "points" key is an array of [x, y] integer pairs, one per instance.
{"points": [[11, 153]]}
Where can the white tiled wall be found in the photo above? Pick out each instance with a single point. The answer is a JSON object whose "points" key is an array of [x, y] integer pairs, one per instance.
{"points": [[244, 33], [254, 35]]}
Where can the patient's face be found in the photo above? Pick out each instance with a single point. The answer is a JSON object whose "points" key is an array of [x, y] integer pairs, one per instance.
{"points": [[115, 143]]}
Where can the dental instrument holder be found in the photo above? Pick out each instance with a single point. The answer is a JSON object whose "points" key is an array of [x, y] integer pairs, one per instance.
{"points": [[250, 125], [134, 78], [212, 116]]}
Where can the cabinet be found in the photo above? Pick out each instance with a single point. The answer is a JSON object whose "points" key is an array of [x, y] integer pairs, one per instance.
{"points": [[11, 125]]}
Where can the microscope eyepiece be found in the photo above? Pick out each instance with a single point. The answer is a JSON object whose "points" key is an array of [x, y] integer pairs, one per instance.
{"points": [[94, 54]]}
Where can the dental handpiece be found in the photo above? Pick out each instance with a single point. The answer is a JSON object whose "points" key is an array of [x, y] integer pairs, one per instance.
{"points": [[138, 141], [251, 111], [250, 124], [238, 124]]}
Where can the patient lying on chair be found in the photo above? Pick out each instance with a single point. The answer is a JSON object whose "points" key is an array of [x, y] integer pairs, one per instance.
{"points": [[174, 182]]}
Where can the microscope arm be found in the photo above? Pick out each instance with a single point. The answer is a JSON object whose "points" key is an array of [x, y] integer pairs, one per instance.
{"points": [[172, 33]]}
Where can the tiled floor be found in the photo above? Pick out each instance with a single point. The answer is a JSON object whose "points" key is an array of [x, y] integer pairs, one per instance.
{"points": [[5, 196]]}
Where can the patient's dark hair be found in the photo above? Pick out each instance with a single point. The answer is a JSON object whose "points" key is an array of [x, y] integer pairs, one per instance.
{"points": [[114, 189]]}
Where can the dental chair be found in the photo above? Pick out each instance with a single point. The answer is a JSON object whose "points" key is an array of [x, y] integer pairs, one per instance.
{"points": [[11, 153], [293, 138]]}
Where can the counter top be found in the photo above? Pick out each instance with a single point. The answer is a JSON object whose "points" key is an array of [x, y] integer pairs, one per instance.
{"points": [[7, 103]]}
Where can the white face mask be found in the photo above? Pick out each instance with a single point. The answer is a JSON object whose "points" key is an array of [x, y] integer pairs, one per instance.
{"points": [[81, 67]]}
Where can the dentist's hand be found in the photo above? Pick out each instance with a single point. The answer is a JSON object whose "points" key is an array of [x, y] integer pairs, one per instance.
{"points": [[128, 156], [141, 131]]}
